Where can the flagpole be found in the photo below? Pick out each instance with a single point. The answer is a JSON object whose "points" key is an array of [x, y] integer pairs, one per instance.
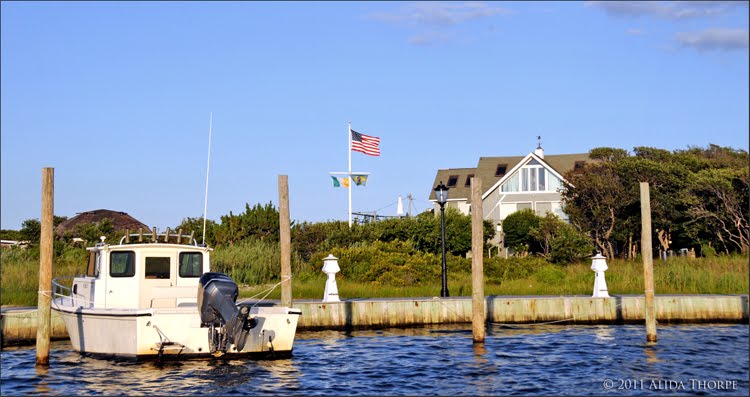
{"points": [[349, 175]]}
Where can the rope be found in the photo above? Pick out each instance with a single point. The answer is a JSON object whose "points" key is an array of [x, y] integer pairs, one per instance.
{"points": [[270, 289], [442, 302]]}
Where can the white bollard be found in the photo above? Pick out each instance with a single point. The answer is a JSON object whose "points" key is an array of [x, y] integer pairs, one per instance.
{"points": [[331, 267], [599, 265]]}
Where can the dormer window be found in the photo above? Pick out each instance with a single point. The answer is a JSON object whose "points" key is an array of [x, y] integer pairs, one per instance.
{"points": [[501, 168], [452, 180], [468, 179]]}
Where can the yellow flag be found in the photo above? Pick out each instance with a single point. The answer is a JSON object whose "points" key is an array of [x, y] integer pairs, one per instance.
{"points": [[345, 183], [359, 180]]}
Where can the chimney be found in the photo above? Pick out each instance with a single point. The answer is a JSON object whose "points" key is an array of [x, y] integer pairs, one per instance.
{"points": [[539, 151]]}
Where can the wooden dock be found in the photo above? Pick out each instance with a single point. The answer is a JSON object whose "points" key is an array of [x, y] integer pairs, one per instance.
{"points": [[19, 324]]}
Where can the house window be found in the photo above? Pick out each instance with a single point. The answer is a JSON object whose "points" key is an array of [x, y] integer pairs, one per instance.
{"points": [[543, 208], [468, 179], [532, 178], [501, 168], [122, 264], [512, 184], [452, 180], [157, 267], [191, 264], [523, 206]]}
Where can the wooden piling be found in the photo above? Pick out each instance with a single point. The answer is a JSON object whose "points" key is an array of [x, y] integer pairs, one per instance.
{"points": [[478, 311], [285, 241], [648, 262], [44, 296]]}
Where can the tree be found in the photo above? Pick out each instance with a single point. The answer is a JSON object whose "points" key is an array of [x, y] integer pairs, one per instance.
{"points": [[6, 234], [261, 222], [694, 193], [569, 244], [608, 154], [517, 229], [719, 201], [596, 200], [195, 226], [31, 230]]}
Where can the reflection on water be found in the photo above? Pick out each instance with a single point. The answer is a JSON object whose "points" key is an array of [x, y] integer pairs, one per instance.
{"points": [[435, 360], [650, 351]]}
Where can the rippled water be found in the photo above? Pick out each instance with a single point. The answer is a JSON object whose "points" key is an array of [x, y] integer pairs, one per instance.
{"points": [[439, 360]]}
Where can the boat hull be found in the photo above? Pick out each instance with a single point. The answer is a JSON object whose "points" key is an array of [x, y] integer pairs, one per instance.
{"points": [[171, 332]]}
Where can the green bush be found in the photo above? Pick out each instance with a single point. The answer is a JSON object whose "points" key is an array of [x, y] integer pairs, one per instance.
{"points": [[569, 245], [518, 228]]}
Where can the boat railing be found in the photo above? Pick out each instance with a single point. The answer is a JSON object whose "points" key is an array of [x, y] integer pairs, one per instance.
{"points": [[154, 237], [65, 293]]}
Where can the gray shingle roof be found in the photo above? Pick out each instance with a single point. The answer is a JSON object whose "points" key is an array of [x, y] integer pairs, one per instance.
{"points": [[487, 166]]}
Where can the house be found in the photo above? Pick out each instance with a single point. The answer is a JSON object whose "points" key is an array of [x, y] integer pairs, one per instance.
{"points": [[120, 221], [510, 184], [7, 244]]}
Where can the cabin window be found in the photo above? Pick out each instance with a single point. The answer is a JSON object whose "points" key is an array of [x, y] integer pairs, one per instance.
{"points": [[94, 261], [122, 264], [452, 180], [191, 264], [157, 267]]}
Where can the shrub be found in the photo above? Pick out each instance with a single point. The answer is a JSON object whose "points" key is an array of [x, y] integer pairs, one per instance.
{"points": [[569, 245], [517, 228]]}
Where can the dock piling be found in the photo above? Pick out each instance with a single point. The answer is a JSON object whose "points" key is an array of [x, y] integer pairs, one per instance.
{"points": [[648, 262], [478, 311], [44, 296], [285, 241]]}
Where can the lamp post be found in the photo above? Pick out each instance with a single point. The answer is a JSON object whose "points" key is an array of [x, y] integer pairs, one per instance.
{"points": [[441, 193]]}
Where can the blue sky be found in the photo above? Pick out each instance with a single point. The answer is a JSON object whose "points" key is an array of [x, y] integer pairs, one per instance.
{"points": [[116, 97]]}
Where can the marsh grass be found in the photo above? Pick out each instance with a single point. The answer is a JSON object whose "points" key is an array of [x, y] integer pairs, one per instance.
{"points": [[718, 275], [19, 270]]}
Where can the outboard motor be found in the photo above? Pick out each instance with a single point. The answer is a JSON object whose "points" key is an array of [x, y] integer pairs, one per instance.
{"points": [[227, 323]]}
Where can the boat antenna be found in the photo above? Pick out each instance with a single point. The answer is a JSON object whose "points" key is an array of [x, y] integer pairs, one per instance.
{"points": [[208, 167]]}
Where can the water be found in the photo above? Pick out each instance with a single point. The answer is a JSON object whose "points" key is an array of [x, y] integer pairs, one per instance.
{"points": [[439, 360]]}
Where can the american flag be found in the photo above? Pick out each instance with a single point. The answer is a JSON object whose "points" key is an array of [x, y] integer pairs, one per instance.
{"points": [[365, 144]]}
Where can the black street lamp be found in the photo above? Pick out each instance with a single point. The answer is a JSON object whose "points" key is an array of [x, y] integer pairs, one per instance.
{"points": [[441, 194]]}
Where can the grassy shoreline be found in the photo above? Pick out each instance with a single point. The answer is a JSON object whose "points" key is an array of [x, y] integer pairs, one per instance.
{"points": [[720, 275], [678, 275]]}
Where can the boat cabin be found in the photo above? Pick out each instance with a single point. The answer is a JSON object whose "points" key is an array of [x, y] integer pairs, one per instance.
{"points": [[141, 276]]}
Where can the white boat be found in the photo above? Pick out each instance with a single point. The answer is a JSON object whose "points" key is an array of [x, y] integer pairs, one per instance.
{"points": [[160, 299]]}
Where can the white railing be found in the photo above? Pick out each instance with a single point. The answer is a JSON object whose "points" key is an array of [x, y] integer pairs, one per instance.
{"points": [[65, 294]]}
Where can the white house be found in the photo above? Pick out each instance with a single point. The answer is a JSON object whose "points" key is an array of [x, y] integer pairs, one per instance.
{"points": [[510, 184]]}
